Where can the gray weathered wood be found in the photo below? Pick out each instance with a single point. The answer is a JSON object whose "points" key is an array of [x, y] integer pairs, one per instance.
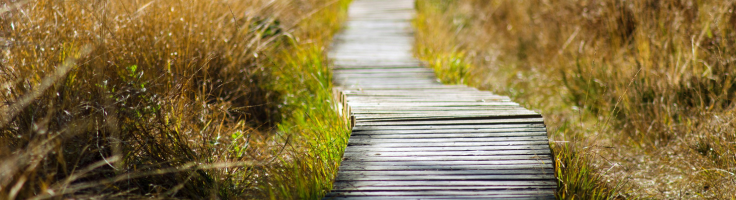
{"points": [[507, 166], [450, 135], [379, 149], [446, 193], [538, 176], [445, 158], [449, 172], [332, 196], [415, 138], [473, 130], [442, 127], [453, 122]]}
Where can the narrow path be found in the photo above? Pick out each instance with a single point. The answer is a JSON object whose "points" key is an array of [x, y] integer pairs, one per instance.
{"points": [[415, 138]]}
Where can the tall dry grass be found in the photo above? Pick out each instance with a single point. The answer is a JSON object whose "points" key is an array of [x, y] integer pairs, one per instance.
{"points": [[166, 98], [642, 91]]}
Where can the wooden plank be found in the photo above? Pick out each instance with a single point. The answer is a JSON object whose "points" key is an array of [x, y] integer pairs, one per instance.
{"points": [[387, 184], [475, 98], [449, 88], [481, 98], [439, 136], [447, 98], [439, 117], [434, 149], [416, 130], [354, 154], [446, 158], [380, 74], [363, 140], [450, 172], [507, 165], [358, 63], [431, 104], [440, 187], [386, 82], [460, 90], [423, 93], [381, 70], [447, 193], [419, 109], [451, 135], [451, 144], [408, 95], [428, 100], [539, 176], [393, 84], [453, 122], [513, 197], [343, 77], [349, 163], [441, 127]]}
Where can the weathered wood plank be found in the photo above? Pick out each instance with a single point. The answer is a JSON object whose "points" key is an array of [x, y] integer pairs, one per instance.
{"points": [[439, 135], [447, 193], [441, 187], [432, 104], [365, 140], [539, 176], [448, 113], [451, 172], [513, 197], [442, 127], [428, 95], [412, 88], [344, 184], [420, 109], [508, 165], [417, 130], [385, 70], [453, 122], [447, 148], [355, 154], [451, 144], [399, 164], [445, 158]]}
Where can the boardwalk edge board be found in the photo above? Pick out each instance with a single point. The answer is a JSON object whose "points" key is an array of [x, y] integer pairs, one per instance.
{"points": [[415, 138]]}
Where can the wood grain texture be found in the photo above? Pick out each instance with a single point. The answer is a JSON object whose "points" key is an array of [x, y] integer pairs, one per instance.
{"points": [[415, 138]]}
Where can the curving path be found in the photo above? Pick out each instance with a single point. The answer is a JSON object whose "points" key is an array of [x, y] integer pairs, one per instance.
{"points": [[415, 138]]}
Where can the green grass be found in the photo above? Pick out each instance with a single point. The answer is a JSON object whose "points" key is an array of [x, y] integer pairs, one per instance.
{"points": [[316, 135]]}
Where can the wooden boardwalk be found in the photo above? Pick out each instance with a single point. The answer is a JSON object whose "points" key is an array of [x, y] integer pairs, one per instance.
{"points": [[415, 138]]}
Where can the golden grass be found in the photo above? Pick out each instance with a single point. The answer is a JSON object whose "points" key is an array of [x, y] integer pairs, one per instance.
{"points": [[640, 92], [169, 98]]}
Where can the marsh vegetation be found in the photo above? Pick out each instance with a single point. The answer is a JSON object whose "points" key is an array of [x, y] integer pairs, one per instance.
{"points": [[638, 95], [167, 99]]}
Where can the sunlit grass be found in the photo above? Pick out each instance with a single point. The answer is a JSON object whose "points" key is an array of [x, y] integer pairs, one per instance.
{"points": [[167, 99], [638, 95]]}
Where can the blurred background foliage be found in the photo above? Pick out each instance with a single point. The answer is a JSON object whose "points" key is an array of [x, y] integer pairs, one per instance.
{"points": [[638, 95]]}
